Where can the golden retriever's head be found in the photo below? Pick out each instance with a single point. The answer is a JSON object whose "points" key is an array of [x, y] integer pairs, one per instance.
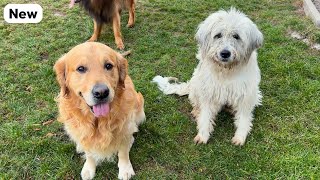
{"points": [[92, 72]]}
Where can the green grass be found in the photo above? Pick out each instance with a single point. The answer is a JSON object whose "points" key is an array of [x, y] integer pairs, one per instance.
{"points": [[284, 142]]}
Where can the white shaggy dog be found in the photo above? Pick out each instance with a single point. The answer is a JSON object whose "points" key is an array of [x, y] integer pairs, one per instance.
{"points": [[227, 73]]}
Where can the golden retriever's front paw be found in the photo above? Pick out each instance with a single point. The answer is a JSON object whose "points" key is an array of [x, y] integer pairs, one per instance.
{"points": [[87, 172], [200, 139], [238, 140], [126, 172]]}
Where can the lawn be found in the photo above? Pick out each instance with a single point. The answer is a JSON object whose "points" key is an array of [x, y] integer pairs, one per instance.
{"points": [[284, 142]]}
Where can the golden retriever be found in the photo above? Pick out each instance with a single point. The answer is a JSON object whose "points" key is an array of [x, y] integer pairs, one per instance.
{"points": [[98, 105]]}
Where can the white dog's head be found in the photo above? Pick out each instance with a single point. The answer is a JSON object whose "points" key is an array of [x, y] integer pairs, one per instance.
{"points": [[228, 38]]}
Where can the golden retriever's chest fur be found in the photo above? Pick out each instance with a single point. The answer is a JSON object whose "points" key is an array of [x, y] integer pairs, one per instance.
{"points": [[98, 137], [101, 136]]}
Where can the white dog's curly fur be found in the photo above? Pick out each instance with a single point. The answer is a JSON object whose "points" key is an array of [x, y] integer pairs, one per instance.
{"points": [[227, 73]]}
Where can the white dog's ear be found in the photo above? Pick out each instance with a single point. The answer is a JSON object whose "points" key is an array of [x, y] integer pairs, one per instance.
{"points": [[202, 34], [206, 28], [257, 38]]}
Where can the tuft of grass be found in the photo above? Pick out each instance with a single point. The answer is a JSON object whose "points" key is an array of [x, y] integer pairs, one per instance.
{"points": [[284, 142]]}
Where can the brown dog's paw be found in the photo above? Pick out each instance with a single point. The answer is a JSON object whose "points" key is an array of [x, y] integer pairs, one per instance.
{"points": [[120, 45], [92, 39], [130, 25]]}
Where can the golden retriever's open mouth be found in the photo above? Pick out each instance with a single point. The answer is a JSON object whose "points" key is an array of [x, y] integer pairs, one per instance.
{"points": [[101, 109]]}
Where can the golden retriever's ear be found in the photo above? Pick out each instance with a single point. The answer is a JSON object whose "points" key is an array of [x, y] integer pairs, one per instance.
{"points": [[60, 69], [123, 69]]}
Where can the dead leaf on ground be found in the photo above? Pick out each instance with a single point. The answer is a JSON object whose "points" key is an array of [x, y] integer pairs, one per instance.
{"points": [[47, 122], [50, 135]]}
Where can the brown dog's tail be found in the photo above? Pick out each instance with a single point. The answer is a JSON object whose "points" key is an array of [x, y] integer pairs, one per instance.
{"points": [[126, 53]]}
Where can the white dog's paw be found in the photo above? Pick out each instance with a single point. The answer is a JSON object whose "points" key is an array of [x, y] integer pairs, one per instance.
{"points": [[125, 172], [201, 139], [238, 140], [87, 172]]}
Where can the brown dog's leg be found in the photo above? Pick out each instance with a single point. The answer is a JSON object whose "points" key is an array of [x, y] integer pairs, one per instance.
{"points": [[131, 6], [116, 31], [96, 31]]}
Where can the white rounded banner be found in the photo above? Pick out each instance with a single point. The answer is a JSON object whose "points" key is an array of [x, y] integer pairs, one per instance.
{"points": [[23, 13]]}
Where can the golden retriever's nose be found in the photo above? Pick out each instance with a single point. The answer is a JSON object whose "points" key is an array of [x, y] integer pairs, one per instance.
{"points": [[100, 91]]}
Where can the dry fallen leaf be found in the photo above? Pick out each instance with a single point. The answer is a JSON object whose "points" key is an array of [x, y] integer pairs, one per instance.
{"points": [[47, 122], [50, 135]]}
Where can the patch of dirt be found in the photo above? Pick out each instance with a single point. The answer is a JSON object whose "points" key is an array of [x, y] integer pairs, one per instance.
{"points": [[298, 36], [44, 56], [59, 14], [317, 4], [299, 5]]}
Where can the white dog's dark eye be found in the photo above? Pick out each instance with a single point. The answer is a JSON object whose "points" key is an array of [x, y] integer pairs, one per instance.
{"points": [[236, 36], [218, 36], [82, 69], [108, 66]]}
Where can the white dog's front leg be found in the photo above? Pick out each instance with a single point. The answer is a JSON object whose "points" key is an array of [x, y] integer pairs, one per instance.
{"points": [[205, 123], [89, 168], [125, 167], [243, 123]]}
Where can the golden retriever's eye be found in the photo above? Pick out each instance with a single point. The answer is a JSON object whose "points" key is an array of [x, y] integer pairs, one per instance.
{"points": [[236, 36], [108, 66], [219, 35], [82, 69]]}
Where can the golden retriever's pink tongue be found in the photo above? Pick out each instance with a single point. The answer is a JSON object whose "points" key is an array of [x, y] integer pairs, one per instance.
{"points": [[71, 3], [101, 109]]}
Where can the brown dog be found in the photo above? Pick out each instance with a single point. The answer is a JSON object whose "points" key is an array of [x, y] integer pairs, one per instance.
{"points": [[108, 11], [98, 105]]}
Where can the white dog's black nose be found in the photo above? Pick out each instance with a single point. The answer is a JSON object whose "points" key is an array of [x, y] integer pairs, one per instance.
{"points": [[225, 54], [100, 91]]}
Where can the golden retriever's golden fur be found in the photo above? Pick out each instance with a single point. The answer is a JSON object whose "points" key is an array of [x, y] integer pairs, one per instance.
{"points": [[99, 137]]}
